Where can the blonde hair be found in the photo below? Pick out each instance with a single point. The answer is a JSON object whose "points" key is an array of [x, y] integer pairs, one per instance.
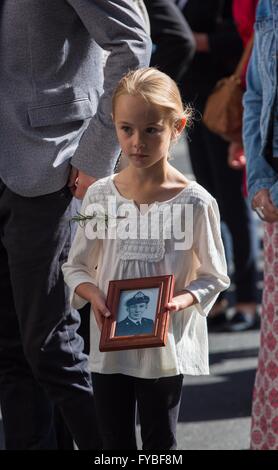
{"points": [[155, 88]]}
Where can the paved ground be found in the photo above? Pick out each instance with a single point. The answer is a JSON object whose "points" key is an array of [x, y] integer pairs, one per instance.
{"points": [[215, 410]]}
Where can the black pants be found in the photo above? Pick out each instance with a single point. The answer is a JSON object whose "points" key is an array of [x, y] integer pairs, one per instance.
{"points": [[158, 402], [208, 154], [41, 358]]}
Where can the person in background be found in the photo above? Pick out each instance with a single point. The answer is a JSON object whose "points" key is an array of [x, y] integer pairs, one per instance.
{"points": [[219, 49], [260, 132], [57, 138], [173, 41]]}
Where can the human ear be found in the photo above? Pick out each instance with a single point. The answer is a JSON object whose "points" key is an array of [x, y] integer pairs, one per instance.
{"points": [[179, 127], [183, 123]]}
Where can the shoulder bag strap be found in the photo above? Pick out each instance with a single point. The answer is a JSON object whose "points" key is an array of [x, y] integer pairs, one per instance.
{"points": [[245, 57]]}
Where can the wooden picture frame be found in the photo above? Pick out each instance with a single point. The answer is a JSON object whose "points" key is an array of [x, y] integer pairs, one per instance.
{"points": [[138, 317]]}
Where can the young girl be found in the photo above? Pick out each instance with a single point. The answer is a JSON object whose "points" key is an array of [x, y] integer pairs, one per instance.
{"points": [[148, 116]]}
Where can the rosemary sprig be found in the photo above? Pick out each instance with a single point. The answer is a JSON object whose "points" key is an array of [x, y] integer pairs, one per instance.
{"points": [[81, 219]]}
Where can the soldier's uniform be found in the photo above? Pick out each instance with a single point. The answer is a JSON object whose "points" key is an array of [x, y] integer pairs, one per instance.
{"points": [[128, 327]]}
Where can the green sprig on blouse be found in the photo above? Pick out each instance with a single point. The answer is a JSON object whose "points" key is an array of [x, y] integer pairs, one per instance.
{"points": [[81, 219]]}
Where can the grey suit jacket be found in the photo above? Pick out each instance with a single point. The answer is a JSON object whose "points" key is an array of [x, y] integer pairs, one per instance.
{"points": [[55, 98]]}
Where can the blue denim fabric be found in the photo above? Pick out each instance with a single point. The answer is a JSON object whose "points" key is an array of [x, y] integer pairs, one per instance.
{"points": [[261, 104]]}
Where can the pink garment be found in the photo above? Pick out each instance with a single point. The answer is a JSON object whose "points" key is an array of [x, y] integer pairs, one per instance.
{"points": [[264, 431]]}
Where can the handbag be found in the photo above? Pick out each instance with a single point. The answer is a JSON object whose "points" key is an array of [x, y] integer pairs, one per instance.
{"points": [[223, 110]]}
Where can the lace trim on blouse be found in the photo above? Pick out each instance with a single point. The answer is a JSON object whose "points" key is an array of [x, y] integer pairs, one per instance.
{"points": [[145, 250]]}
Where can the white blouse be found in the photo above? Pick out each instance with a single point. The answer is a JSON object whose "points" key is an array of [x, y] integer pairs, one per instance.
{"points": [[199, 268]]}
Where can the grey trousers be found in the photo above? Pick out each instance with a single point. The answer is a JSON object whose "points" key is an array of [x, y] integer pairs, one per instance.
{"points": [[41, 356]]}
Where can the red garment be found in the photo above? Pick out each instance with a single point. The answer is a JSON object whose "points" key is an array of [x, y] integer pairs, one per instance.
{"points": [[244, 12]]}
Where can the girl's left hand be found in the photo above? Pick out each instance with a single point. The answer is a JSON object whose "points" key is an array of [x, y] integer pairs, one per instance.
{"points": [[180, 301]]}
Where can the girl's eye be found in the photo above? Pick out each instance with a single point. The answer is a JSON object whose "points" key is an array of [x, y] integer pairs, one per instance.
{"points": [[151, 130], [126, 129]]}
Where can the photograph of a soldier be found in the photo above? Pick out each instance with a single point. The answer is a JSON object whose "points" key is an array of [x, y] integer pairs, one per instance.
{"points": [[137, 312]]}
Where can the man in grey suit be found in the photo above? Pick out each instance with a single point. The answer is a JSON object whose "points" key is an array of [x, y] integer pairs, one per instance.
{"points": [[57, 137]]}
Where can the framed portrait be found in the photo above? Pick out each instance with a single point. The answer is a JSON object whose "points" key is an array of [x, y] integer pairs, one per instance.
{"points": [[138, 316]]}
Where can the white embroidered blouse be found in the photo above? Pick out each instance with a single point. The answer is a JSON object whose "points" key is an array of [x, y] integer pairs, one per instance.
{"points": [[200, 269]]}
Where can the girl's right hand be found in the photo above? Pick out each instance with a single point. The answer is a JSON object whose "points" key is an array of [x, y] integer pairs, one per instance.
{"points": [[99, 307]]}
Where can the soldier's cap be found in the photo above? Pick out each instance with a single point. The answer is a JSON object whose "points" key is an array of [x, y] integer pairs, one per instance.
{"points": [[138, 298]]}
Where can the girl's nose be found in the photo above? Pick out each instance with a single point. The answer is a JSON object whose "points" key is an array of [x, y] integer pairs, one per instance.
{"points": [[140, 147], [139, 143]]}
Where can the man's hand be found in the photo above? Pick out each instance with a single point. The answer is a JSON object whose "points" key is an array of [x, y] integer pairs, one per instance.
{"points": [[79, 182], [263, 204], [236, 157], [202, 42]]}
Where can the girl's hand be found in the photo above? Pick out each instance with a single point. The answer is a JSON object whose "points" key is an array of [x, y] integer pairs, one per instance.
{"points": [[180, 301], [266, 209], [100, 310], [91, 293]]}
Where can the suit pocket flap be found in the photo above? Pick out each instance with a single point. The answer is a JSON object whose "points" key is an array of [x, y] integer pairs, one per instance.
{"points": [[60, 113]]}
